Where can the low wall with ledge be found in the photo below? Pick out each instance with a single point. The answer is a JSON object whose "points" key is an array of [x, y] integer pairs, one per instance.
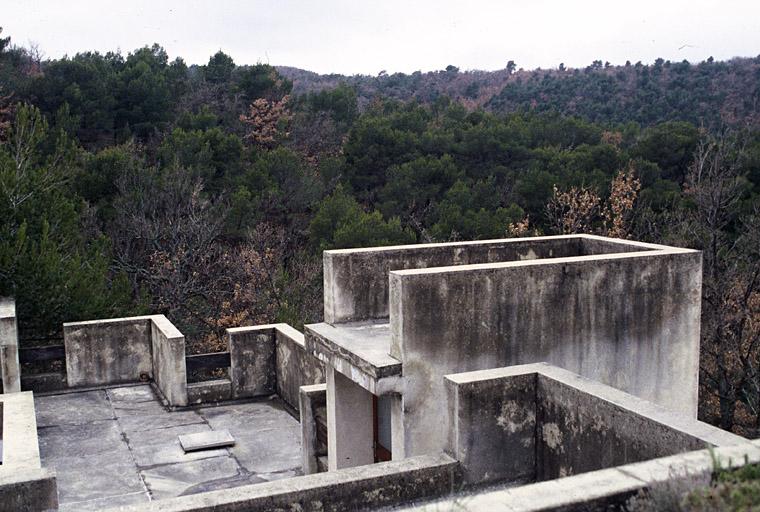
{"points": [[24, 484], [268, 359], [123, 350], [537, 422]]}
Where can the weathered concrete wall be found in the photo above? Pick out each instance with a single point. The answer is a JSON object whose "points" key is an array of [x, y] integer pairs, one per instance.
{"points": [[295, 367], [540, 422], [209, 391], [362, 488], [603, 490], [627, 320], [252, 358], [493, 427], [108, 351], [24, 484], [581, 432], [356, 280], [10, 370], [311, 399], [169, 369], [28, 490]]}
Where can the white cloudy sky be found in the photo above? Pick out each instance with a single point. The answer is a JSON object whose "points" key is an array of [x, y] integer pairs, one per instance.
{"points": [[358, 36]]}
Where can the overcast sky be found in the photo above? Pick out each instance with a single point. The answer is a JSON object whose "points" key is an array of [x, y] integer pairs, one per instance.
{"points": [[356, 36]]}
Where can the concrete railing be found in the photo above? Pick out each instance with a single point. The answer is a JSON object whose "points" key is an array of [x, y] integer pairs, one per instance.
{"points": [[121, 350], [10, 369], [24, 484]]}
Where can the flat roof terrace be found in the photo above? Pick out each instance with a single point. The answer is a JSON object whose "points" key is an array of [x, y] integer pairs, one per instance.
{"points": [[119, 446]]}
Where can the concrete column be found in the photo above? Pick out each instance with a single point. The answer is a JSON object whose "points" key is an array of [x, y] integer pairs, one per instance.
{"points": [[10, 370], [397, 427], [309, 398], [349, 422]]}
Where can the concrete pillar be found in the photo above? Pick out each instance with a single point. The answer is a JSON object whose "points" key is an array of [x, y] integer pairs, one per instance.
{"points": [[397, 427], [309, 398], [10, 370], [349, 422]]}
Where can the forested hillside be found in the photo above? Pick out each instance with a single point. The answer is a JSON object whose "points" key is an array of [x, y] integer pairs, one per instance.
{"points": [[133, 183], [708, 93]]}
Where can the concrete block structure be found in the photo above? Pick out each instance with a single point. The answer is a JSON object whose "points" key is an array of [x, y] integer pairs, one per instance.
{"points": [[518, 375], [397, 319]]}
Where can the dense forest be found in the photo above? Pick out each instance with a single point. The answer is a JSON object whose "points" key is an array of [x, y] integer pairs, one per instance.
{"points": [[135, 183]]}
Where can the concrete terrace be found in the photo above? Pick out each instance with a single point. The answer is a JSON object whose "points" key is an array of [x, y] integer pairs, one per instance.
{"points": [[119, 446]]}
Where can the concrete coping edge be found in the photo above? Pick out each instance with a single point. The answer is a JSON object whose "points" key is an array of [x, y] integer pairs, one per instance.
{"points": [[670, 251], [643, 245]]}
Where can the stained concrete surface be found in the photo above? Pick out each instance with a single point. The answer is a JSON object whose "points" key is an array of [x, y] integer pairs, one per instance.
{"points": [[119, 446]]}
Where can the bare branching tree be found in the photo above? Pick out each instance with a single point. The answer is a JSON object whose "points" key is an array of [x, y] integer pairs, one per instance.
{"points": [[573, 210], [618, 211], [266, 121], [730, 344], [165, 236], [581, 210]]}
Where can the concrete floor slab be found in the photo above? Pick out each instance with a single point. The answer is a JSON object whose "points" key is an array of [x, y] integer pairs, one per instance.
{"points": [[72, 408], [125, 409], [268, 451], [97, 476], [248, 417], [137, 423], [161, 446], [107, 444], [71, 441], [174, 480]]}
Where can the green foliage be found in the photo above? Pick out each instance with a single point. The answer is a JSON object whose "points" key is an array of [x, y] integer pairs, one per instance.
{"points": [[55, 272], [645, 94], [340, 102], [261, 81], [340, 222], [213, 154], [219, 68]]}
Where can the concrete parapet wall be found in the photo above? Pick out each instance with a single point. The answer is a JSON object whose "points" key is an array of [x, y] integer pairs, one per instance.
{"points": [[110, 351], [10, 370], [356, 280], [629, 320], [607, 489], [121, 350], [295, 366], [24, 484], [272, 358], [169, 369], [252, 361], [493, 427], [361, 488], [28, 490], [539, 422]]}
